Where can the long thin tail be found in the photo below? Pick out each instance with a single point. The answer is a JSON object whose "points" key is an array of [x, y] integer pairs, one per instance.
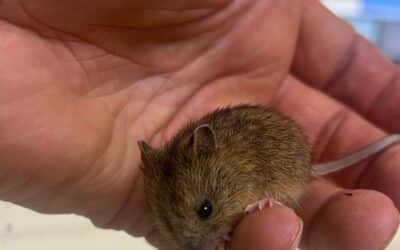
{"points": [[362, 154]]}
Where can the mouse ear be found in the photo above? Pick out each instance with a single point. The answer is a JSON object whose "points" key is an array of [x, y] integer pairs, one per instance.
{"points": [[204, 140], [149, 156]]}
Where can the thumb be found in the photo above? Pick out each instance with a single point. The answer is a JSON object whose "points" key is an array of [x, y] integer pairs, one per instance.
{"points": [[272, 228]]}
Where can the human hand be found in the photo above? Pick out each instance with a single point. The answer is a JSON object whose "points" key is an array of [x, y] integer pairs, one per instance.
{"points": [[82, 83]]}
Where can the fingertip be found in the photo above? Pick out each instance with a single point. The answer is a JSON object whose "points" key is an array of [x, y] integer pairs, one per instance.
{"points": [[360, 219], [272, 228]]}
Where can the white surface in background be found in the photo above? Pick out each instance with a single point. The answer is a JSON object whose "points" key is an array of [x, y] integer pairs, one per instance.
{"points": [[22, 229]]}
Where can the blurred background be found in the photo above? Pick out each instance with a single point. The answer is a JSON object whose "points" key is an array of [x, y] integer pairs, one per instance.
{"points": [[22, 229], [377, 20]]}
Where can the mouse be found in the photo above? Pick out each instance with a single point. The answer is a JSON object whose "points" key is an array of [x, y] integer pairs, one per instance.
{"points": [[202, 182]]}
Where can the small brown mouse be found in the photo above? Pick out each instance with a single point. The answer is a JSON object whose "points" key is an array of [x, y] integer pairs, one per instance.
{"points": [[200, 183]]}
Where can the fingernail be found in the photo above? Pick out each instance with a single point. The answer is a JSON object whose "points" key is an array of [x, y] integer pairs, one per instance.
{"points": [[297, 238]]}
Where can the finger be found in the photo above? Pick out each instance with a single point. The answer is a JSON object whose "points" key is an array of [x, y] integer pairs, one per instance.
{"points": [[176, 4], [342, 63], [334, 131], [347, 220], [272, 228]]}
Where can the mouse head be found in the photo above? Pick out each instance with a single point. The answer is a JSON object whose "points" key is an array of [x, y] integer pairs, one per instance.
{"points": [[190, 188]]}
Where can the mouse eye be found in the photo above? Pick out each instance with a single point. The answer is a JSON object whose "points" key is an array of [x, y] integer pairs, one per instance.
{"points": [[205, 210]]}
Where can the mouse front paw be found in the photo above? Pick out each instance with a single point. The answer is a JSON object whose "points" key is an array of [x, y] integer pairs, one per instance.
{"points": [[260, 205], [223, 245]]}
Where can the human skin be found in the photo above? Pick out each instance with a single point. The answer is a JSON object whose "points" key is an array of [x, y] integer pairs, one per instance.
{"points": [[81, 83]]}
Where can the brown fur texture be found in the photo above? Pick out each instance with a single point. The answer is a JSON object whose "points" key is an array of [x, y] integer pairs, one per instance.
{"points": [[231, 157]]}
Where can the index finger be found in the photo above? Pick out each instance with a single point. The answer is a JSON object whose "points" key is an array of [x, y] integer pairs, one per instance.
{"points": [[332, 57]]}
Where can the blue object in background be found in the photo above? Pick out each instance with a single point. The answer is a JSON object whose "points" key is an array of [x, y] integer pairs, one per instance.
{"points": [[379, 22], [387, 10], [390, 40], [368, 28], [382, 2]]}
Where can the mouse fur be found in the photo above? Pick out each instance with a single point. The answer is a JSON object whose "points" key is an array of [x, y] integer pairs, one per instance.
{"points": [[231, 157]]}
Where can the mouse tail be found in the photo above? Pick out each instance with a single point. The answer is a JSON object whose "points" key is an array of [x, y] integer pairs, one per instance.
{"points": [[374, 148]]}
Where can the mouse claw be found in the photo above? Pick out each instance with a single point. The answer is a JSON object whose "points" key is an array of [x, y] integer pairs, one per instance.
{"points": [[260, 205]]}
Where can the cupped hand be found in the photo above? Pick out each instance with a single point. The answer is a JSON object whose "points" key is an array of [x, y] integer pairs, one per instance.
{"points": [[82, 82]]}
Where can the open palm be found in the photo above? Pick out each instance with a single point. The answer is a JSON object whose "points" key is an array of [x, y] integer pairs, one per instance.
{"points": [[81, 83]]}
